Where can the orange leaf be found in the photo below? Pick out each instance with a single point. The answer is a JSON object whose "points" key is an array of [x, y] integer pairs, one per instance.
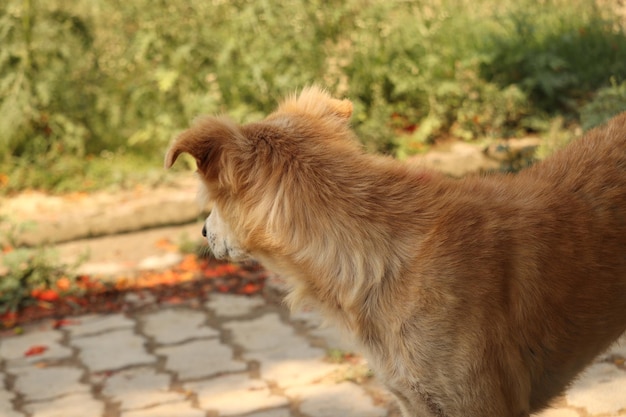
{"points": [[189, 263], [64, 322], [250, 288], [223, 288], [35, 350], [63, 283], [48, 295], [166, 244]]}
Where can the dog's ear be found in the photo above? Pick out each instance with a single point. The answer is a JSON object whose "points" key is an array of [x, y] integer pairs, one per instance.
{"points": [[315, 101], [206, 141], [342, 108]]}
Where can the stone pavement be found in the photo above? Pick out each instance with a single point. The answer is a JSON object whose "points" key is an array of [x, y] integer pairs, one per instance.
{"points": [[231, 356]]}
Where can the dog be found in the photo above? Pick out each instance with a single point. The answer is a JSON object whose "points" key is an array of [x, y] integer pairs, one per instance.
{"points": [[482, 296]]}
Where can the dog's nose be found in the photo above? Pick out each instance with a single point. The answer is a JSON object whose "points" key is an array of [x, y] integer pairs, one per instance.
{"points": [[204, 231]]}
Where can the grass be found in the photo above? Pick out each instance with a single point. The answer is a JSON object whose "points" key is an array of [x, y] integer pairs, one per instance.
{"points": [[92, 92]]}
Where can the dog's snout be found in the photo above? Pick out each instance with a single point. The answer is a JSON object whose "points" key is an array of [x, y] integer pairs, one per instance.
{"points": [[204, 230]]}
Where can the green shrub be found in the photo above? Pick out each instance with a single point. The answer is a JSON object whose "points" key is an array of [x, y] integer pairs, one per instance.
{"points": [[85, 83], [608, 102], [31, 275], [556, 51]]}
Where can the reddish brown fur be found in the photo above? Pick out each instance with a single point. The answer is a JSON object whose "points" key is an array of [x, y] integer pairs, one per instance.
{"points": [[474, 297]]}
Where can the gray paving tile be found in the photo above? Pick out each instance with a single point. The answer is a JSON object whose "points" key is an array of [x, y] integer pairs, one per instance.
{"points": [[210, 357], [177, 325], [344, 399], [558, 412], [284, 357], [6, 406], [46, 383], [294, 372], [112, 350], [179, 409], [235, 394], [228, 305], [96, 323], [13, 349], [140, 388], [263, 333], [78, 405], [276, 412], [600, 389]]}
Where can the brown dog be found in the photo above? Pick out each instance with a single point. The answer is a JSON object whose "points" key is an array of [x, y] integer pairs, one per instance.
{"points": [[474, 297]]}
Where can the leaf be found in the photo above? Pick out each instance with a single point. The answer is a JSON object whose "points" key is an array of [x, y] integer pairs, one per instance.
{"points": [[47, 295], [250, 288], [63, 283], [35, 350], [166, 244], [63, 322]]}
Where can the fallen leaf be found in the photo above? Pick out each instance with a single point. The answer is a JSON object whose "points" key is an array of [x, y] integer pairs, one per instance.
{"points": [[166, 244], [63, 283], [47, 295], [35, 350], [64, 322], [250, 288]]}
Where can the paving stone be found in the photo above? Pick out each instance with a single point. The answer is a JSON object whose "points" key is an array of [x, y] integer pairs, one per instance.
{"points": [[180, 409], [235, 394], [294, 362], [140, 388], [228, 305], [46, 383], [177, 325], [264, 333], [345, 399], [309, 317], [6, 407], [558, 412], [600, 389], [112, 350], [284, 357], [618, 349], [210, 357], [78, 405], [93, 324], [13, 349], [289, 373], [333, 337], [276, 412]]}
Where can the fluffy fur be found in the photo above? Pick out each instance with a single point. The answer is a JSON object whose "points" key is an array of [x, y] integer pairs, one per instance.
{"points": [[483, 296]]}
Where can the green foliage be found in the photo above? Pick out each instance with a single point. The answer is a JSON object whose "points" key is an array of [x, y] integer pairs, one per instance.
{"points": [[31, 275], [608, 102], [556, 51], [87, 83]]}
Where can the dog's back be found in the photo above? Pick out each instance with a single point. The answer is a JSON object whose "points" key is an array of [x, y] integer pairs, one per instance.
{"points": [[530, 274], [586, 276]]}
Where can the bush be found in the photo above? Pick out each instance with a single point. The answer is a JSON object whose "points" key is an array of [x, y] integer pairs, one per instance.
{"points": [[557, 58], [31, 275], [95, 82], [608, 102]]}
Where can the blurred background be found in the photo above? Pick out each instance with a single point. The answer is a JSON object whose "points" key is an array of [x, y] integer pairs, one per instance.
{"points": [[92, 91]]}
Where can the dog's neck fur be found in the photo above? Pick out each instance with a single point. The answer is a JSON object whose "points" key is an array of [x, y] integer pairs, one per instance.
{"points": [[354, 291]]}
